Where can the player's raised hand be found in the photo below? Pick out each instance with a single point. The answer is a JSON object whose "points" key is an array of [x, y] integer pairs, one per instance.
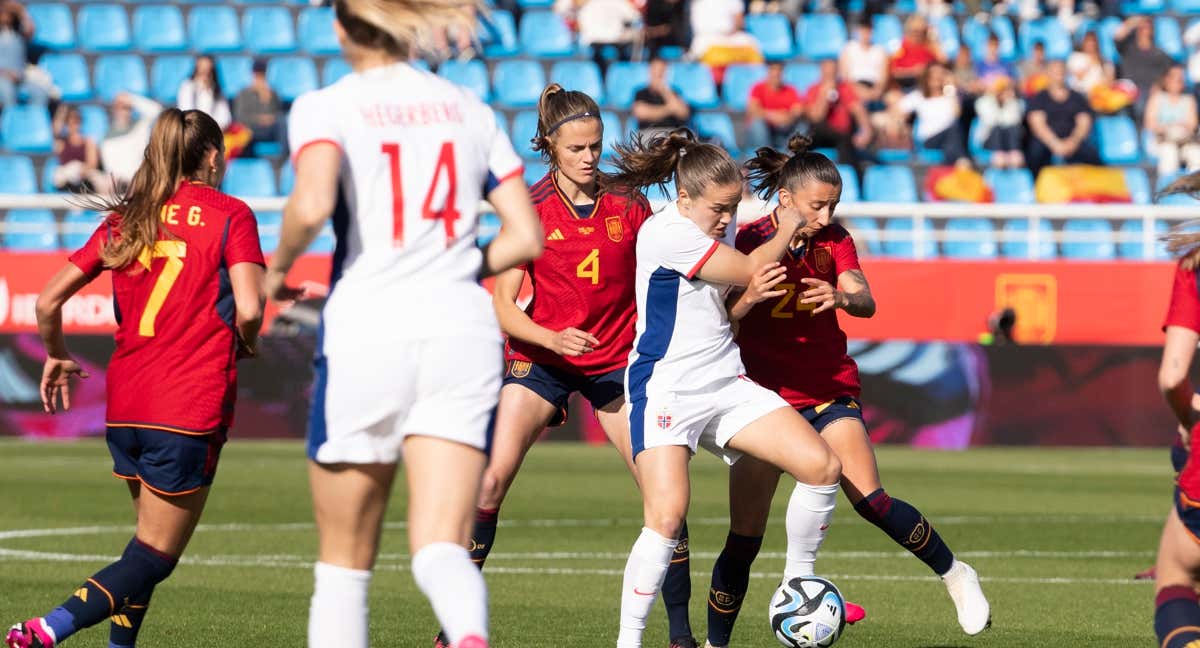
{"points": [[56, 382], [572, 342], [763, 283], [822, 293]]}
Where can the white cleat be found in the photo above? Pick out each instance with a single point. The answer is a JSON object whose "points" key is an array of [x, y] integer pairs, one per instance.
{"points": [[974, 613], [708, 645]]}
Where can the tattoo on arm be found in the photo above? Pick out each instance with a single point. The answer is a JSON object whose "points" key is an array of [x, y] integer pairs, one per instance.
{"points": [[859, 301]]}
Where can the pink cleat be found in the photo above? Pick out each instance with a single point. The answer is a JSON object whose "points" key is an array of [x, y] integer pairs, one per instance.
{"points": [[31, 634], [473, 641], [1149, 574], [854, 613]]}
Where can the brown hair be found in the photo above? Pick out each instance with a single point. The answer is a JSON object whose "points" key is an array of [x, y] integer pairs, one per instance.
{"points": [[557, 107], [772, 170], [396, 26], [178, 145], [674, 155], [1184, 239]]}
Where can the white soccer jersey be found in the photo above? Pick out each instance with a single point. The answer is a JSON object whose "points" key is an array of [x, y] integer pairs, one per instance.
{"points": [[418, 154]]}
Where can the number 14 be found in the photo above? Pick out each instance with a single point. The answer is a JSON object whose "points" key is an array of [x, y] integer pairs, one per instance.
{"points": [[448, 213]]}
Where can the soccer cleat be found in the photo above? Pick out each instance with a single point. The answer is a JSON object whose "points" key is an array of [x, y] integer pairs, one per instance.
{"points": [[1149, 574], [854, 613], [684, 642], [440, 641], [30, 634], [974, 613], [473, 642]]}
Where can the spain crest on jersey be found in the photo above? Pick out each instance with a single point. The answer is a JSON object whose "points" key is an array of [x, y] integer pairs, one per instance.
{"points": [[616, 230], [822, 259], [519, 368]]}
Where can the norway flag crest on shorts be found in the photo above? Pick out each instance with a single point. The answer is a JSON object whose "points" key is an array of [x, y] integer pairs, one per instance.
{"points": [[664, 419]]}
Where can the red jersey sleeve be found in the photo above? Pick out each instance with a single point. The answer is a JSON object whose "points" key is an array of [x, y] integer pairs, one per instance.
{"points": [[241, 242], [845, 256], [87, 258], [1185, 301], [747, 239]]}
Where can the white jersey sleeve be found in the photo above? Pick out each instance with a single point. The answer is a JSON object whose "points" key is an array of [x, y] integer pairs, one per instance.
{"points": [[311, 121], [682, 247], [503, 161]]}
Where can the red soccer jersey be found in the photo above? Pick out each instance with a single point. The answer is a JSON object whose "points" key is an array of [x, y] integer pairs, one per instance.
{"points": [[784, 346], [173, 368], [584, 278], [1185, 301]]}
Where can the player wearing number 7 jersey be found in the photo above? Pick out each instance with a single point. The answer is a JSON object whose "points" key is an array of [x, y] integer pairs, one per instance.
{"points": [[409, 352], [186, 276]]}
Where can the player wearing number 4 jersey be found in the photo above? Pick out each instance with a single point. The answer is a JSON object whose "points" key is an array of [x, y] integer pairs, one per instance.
{"points": [[186, 275], [409, 352]]}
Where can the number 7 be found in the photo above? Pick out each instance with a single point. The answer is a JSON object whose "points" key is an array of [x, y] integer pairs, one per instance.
{"points": [[174, 251]]}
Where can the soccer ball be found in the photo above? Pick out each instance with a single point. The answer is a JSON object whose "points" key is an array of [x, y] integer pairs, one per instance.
{"points": [[807, 612]]}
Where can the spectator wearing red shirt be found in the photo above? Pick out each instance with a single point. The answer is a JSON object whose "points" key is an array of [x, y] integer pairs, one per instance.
{"points": [[773, 110], [917, 50], [836, 114]]}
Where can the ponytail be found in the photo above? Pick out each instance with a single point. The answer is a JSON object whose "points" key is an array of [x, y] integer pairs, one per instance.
{"points": [[1184, 239], [772, 170], [557, 107], [675, 155]]}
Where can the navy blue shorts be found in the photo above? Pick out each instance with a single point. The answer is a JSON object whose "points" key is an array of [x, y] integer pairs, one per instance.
{"points": [[167, 463], [1179, 456], [820, 416], [1189, 513], [556, 385]]}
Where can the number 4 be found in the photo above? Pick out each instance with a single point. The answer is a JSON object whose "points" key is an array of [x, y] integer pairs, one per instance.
{"points": [[174, 251], [589, 268], [448, 213]]}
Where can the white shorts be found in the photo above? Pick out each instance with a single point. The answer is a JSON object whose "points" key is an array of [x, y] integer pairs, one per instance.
{"points": [[368, 395], [708, 417]]}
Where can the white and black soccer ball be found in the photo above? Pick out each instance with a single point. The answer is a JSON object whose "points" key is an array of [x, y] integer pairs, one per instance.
{"points": [[807, 612]]}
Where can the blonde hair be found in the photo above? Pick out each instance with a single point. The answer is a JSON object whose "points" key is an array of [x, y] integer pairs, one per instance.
{"points": [[1184, 239], [675, 155], [400, 26]]}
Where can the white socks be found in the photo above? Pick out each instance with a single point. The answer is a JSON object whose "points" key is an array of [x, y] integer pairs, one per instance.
{"points": [[644, 574], [338, 616], [808, 514], [455, 588]]}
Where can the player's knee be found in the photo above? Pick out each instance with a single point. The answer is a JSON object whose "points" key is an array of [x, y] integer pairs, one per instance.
{"points": [[826, 469], [492, 490], [666, 524]]}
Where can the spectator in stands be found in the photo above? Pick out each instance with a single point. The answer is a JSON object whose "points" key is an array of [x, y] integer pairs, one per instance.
{"points": [[938, 107], [1060, 121], [918, 49], [1033, 70], [836, 116], [990, 66], [864, 63], [258, 108], [715, 18], [665, 25], [608, 27], [78, 157], [657, 107], [1086, 69], [720, 50], [773, 110], [1001, 114], [1171, 124], [202, 91], [966, 77], [15, 30], [122, 150], [1141, 60]]}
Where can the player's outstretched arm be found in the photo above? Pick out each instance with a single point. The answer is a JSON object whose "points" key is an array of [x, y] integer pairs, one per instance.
{"points": [[727, 265], [310, 205], [249, 298], [59, 365], [1178, 351], [520, 237]]}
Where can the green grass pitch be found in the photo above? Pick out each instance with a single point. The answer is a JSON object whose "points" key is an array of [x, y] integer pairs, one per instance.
{"points": [[1056, 535]]}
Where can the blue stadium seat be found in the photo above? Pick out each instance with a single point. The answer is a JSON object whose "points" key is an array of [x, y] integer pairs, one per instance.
{"points": [[904, 247], [95, 121], [1104, 34], [287, 178], [887, 183], [251, 177], [55, 29], [159, 28], [1132, 249], [335, 68], [1018, 247], [117, 73], [77, 228], [30, 230], [292, 76], [865, 232], [850, 190], [535, 4], [801, 75], [316, 31], [545, 35], [534, 170], [1048, 31], [518, 84], [886, 31], [472, 75], [1139, 185], [694, 83], [234, 73], [25, 128], [103, 28], [583, 76], [978, 239], [820, 35], [739, 79], [70, 74], [623, 80], [1186, 6], [524, 129], [774, 35], [1117, 138], [614, 132], [498, 35], [214, 29], [975, 139], [268, 30], [717, 126], [1097, 247], [1174, 199], [947, 36], [975, 34], [17, 175], [269, 224], [1143, 6], [166, 73], [48, 175], [1011, 186], [1168, 37]]}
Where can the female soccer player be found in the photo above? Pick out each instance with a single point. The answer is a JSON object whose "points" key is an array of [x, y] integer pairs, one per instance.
{"points": [[576, 334], [686, 384], [1177, 614], [410, 356], [187, 273], [793, 345]]}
